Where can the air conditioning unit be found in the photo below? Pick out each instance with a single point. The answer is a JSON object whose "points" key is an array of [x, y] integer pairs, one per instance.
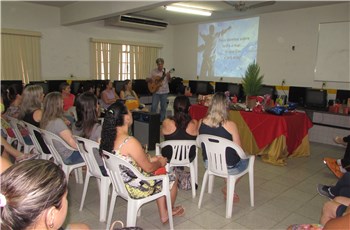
{"points": [[131, 21]]}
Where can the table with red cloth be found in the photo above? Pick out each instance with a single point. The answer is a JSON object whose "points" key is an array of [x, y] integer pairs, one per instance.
{"points": [[273, 137]]}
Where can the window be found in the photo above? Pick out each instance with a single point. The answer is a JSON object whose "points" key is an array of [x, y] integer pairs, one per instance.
{"points": [[22, 52], [120, 60]]}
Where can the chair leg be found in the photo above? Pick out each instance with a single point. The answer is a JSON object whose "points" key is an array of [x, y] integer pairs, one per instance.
{"points": [[193, 180], [204, 183], [111, 208], [104, 188], [86, 184], [79, 175], [132, 213], [251, 187], [196, 167], [230, 195], [170, 214], [211, 184]]}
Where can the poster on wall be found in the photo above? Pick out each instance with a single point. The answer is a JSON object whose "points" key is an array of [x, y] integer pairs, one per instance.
{"points": [[225, 49]]}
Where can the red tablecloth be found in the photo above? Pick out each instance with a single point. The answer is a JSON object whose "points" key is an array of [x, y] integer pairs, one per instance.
{"points": [[267, 127], [198, 111], [274, 136]]}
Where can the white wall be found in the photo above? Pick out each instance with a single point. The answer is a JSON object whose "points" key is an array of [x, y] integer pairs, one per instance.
{"points": [[65, 49], [278, 32]]}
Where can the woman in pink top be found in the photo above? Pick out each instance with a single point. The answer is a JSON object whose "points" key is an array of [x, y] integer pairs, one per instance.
{"points": [[108, 96], [68, 98]]}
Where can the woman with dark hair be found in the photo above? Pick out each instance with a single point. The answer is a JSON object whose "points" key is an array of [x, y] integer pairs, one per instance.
{"points": [[34, 196], [115, 139], [14, 96], [131, 99], [87, 125], [108, 95], [180, 127]]}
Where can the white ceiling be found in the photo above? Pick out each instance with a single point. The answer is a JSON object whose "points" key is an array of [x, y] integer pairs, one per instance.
{"points": [[220, 9]]}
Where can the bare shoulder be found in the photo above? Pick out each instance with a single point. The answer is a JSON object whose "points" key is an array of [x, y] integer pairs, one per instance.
{"points": [[168, 126], [229, 125], [37, 115], [192, 127]]}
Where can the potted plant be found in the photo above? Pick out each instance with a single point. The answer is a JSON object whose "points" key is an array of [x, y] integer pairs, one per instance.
{"points": [[252, 82]]}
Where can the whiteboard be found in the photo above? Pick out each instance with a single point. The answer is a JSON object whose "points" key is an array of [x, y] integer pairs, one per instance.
{"points": [[332, 61]]}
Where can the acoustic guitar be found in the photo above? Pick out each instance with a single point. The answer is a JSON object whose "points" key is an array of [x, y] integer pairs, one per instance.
{"points": [[156, 82]]}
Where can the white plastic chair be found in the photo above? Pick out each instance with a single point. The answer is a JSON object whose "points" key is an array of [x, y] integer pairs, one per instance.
{"points": [[113, 164], [32, 132], [86, 149], [14, 125], [51, 138], [180, 157], [215, 148]]}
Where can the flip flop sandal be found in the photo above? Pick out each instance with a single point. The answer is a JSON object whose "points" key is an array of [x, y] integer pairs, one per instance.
{"points": [[178, 211], [334, 167]]}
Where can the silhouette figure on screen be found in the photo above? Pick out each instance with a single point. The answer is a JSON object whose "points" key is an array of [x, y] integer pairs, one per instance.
{"points": [[209, 49]]}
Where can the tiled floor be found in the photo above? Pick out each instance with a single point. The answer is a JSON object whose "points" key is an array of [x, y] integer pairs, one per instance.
{"points": [[283, 196]]}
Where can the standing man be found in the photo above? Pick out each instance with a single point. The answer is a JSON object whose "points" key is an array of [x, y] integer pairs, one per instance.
{"points": [[158, 85]]}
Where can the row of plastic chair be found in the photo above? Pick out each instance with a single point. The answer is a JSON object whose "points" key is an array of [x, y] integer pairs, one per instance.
{"points": [[215, 148]]}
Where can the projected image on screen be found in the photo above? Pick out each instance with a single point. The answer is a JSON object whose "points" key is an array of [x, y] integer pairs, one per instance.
{"points": [[225, 49]]}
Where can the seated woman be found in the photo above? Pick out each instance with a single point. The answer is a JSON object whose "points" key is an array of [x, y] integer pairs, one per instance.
{"points": [[14, 96], [87, 125], [31, 112], [68, 101], [34, 196], [216, 123], [115, 139], [108, 96], [180, 127], [52, 121], [131, 99]]}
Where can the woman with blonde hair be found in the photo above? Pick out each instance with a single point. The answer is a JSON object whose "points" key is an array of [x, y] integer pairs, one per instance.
{"points": [[53, 121], [31, 110], [32, 99], [33, 195], [216, 123]]}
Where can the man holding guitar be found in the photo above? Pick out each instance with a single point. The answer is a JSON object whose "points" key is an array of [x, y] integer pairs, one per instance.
{"points": [[158, 85]]}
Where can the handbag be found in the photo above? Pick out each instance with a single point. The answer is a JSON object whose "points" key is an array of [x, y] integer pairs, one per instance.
{"points": [[184, 178]]}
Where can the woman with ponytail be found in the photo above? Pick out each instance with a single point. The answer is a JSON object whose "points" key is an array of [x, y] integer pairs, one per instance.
{"points": [[180, 127], [115, 139]]}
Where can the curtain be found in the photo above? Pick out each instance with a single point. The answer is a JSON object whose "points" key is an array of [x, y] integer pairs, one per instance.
{"points": [[134, 62], [20, 55]]}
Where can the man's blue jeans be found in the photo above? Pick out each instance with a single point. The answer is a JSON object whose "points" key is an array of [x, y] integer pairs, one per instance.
{"points": [[163, 104]]}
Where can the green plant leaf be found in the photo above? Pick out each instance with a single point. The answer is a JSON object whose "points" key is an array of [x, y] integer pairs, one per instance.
{"points": [[252, 80]]}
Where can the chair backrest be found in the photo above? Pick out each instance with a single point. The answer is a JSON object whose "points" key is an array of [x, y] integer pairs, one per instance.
{"points": [[215, 148], [51, 138], [14, 122], [33, 132], [180, 150], [87, 148], [112, 163]]}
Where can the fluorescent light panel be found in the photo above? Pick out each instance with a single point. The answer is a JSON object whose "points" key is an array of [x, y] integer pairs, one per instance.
{"points": [[188, 10]]}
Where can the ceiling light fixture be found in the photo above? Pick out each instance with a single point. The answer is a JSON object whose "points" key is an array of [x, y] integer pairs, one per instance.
{"points": [[188, 10]]}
